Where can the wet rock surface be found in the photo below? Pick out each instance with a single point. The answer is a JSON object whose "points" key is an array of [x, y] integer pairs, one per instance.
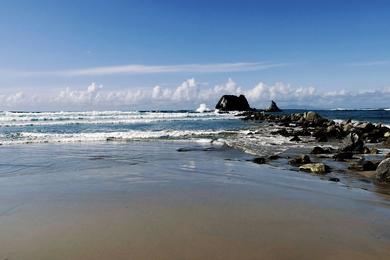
{"points": [[383, 171], [316, 168]]}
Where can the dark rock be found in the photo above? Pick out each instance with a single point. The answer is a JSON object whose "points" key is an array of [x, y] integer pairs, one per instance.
{"points": [[369, 166], [341, 156], [352, 143], [259, 160], [303, 132], [295, 139], [363, 166], [282, 132], [320, 135], [322, 139], [383, 171], [334, 179], [273, 108], [274, 157], [233, 103], [387, 155], [317, 168], [367, 127], [320, 150], [303, 159]]}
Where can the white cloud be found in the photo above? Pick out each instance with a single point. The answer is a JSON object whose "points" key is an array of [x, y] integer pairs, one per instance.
{"points": [[279, 91], [189, 94]]}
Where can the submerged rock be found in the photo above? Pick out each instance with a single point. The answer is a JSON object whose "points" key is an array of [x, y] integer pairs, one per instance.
{"points": [[273, 107], [334, 179], [303, 159], [274, 157], [363, 166], [317, 168], [233, 103], [383, 171], [320, 150], [343, 156], [259, 160]]}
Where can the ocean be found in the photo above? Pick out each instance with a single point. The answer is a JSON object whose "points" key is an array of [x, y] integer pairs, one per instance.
{"points": [[125, 126]]}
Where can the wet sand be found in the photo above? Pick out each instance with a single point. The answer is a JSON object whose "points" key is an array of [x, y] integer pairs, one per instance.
{"points": [[145, 200]]}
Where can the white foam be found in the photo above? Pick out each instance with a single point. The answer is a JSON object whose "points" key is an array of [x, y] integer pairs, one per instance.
{"points": [[102, 117], [31, 137], [202, 108]]}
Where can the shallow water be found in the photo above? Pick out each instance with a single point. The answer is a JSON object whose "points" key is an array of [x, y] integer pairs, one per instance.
{"points": [[147, 200]]}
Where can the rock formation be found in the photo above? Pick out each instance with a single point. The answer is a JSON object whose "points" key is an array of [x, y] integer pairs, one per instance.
{"points": [[233, 103]]}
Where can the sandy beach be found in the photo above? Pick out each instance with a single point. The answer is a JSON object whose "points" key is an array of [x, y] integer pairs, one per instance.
{"points": [[146, 200]]}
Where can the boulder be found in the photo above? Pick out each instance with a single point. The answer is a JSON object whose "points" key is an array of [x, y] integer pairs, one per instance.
{"points": [[311, 116], [317, 168], [320, 150], [259, 160], [274, 157], [363, 166], [273, 107], [352, 143], [383, 171], [303, 159], [343, 156], [233, 103]]}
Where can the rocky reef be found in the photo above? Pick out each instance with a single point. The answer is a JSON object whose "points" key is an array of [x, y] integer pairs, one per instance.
{"points": [[353, 141]]}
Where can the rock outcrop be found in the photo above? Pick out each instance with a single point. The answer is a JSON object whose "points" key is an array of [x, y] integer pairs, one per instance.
{"points": [[233, 103], [273, 107]]}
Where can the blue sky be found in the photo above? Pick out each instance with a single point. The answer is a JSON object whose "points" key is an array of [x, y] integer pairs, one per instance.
{"points": [[108, 54]]}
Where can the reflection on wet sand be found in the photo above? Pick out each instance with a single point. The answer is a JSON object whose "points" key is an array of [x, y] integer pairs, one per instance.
{"points": [[192, 205]]}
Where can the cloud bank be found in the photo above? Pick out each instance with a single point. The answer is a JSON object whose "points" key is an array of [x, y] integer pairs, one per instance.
{"points": [[189, 94]]}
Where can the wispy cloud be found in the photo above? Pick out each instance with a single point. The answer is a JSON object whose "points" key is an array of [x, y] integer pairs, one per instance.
{"points": [[153, 69], [370, 63]]}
